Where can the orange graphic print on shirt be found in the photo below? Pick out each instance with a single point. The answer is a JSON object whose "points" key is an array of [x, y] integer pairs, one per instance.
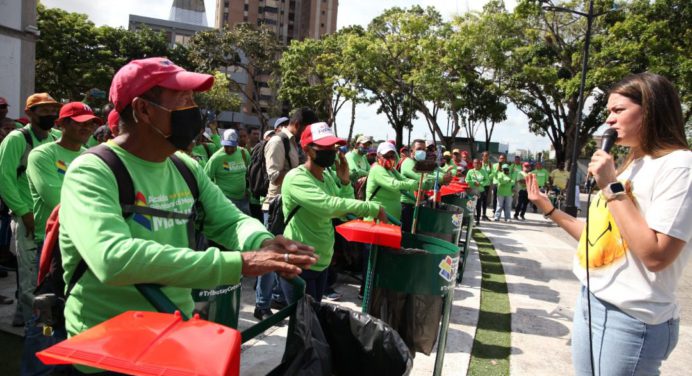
{"points": [[606, 244]]}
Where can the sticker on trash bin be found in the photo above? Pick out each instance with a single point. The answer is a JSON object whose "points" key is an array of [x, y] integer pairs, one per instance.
{"points": [[456, 220], [447, 267]]}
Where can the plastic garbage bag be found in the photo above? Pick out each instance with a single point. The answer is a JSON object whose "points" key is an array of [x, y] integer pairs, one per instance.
{"points": [[329, 340]]}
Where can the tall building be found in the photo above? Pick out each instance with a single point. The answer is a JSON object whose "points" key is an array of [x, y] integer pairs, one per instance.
{"points": [[189, 11], [18, 34], [290, 19]]}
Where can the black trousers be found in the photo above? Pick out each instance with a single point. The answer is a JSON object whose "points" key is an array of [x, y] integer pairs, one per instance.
{"points": [[522, 203], [481, 204]]}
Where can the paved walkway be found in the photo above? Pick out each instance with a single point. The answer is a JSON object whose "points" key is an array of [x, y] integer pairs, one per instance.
{"points": [[537, 260]]}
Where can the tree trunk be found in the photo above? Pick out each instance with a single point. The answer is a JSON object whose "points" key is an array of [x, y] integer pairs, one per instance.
{"points": [[353, 121]]}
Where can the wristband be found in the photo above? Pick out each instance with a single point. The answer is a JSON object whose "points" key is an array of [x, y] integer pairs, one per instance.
{"points": [[548, 214]]}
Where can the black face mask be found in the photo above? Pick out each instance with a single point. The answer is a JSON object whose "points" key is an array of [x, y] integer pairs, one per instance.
{"points": [[46, 122], [186, 124], [325, 158]]}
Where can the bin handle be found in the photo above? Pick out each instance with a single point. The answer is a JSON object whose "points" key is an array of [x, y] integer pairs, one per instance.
{"points": [[158, 299], [262, 326], [392, 219]]}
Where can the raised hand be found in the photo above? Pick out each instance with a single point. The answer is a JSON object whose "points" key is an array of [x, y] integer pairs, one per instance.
{"points": [[539, 198]]}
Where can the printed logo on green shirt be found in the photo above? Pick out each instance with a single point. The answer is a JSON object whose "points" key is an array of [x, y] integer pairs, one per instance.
{"points": [[61, 166], [233, 166], [171, 202]]}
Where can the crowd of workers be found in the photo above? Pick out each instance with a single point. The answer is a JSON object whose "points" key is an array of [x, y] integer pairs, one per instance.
{"points": [[151, 125]]}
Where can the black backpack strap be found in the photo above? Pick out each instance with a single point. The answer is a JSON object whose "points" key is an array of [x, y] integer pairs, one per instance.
{"points": [[29, 146], [291, 215], [287, 148], [372, 195], [78, 273], [126, 187], [189, 178]]}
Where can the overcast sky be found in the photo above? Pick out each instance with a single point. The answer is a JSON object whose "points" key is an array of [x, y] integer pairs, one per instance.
{"points": [[514, 131]]}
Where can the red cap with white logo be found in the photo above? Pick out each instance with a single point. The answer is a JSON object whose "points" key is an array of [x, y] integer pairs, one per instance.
{"points": [[320, 134], [79, 112]]}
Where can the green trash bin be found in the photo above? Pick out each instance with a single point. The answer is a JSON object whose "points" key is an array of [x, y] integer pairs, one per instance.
{"points": [[443, 222], [220, 305], [408, 287]]}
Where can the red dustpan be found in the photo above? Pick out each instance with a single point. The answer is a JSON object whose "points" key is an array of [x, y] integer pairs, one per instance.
{"points": [[152, 343], [371, 233]]}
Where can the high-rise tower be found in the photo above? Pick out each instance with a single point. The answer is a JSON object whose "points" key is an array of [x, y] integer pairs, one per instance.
{"points": [[189, 11]]}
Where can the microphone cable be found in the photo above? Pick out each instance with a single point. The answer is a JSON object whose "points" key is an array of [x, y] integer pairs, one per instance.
{"points": [[588, 285]]}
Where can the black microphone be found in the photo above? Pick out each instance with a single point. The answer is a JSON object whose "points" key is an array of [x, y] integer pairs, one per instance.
{"points": [[609, 137]]}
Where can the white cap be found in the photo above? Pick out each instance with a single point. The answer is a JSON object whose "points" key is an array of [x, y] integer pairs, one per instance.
{"points": [[230, 138], [268, 133], [385, 148]]}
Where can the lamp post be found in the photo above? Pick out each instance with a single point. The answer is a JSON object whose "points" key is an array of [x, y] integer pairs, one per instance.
{"points": [[571, 208]]}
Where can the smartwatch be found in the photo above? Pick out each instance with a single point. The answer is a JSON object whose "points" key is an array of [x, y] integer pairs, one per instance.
{"points": [[613, 190]]}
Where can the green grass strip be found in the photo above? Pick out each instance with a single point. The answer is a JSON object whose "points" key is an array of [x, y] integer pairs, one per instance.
{"points": [[492, 343]]}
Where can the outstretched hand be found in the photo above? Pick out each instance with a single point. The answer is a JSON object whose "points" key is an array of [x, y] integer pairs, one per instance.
{"points": [[284, 256], [539, 198]]}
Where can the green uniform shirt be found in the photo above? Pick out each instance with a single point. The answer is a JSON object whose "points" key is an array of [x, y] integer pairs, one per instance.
{"points": [[519, 177], [477, 179], [319, 201], [91, 142], [541, 177], [407, 171], [504, 184], [142, 249], [228, 172], [46, 169], [202, 152], [450, 168], [14, 189], [495, 172], [390, 183], [357, 164]]}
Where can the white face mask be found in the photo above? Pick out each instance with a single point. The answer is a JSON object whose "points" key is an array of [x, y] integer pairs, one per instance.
{"points": [[420, 155]]}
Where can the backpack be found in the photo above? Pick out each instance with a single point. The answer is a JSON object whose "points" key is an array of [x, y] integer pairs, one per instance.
{"points": [[258, 179], [50, 293], [29, 146], [277, 223], [401, 161]]}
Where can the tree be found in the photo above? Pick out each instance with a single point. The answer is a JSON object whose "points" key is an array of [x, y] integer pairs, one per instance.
{"points": [[66, 53], [219, 97], [249, 56]]}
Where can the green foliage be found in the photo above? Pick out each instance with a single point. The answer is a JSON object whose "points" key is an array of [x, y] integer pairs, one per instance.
{"points": [[219, 97], [73, 56], [245, 51]]}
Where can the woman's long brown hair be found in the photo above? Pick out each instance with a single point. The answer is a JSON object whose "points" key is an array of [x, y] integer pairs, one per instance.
{"points": [[662, 130]]}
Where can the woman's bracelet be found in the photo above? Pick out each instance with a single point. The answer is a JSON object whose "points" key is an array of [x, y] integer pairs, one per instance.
{"points": [[548, 214]]}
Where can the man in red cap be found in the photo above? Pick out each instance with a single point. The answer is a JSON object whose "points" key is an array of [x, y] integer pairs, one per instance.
{"points": [[158, 117], [42, 109], [312, 195], [46, 168]]}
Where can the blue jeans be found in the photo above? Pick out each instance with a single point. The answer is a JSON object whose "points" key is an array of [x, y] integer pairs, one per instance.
{"points": [[267, 287], [242, 204], [35, 341], [622, 345], [503, 203]]}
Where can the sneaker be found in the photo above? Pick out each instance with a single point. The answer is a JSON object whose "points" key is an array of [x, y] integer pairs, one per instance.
{"points": [[496, 220], [522, 217], [485, 218], [478, 223], [507, 221], [333, 296], [262, 313], [277, 305], [516, 216]]}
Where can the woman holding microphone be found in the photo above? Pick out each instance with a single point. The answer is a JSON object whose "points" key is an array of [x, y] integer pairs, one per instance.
{"points": [[639, 234]]}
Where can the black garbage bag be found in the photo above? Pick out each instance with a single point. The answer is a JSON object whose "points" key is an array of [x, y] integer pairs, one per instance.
{"points": [[415, 317], [330, 340]]}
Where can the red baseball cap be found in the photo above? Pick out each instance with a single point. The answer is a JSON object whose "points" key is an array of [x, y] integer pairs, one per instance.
{"points": [[526, 164], [320, 134], [3, 101], [79, 112], [113, 121], [139, 76]]}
